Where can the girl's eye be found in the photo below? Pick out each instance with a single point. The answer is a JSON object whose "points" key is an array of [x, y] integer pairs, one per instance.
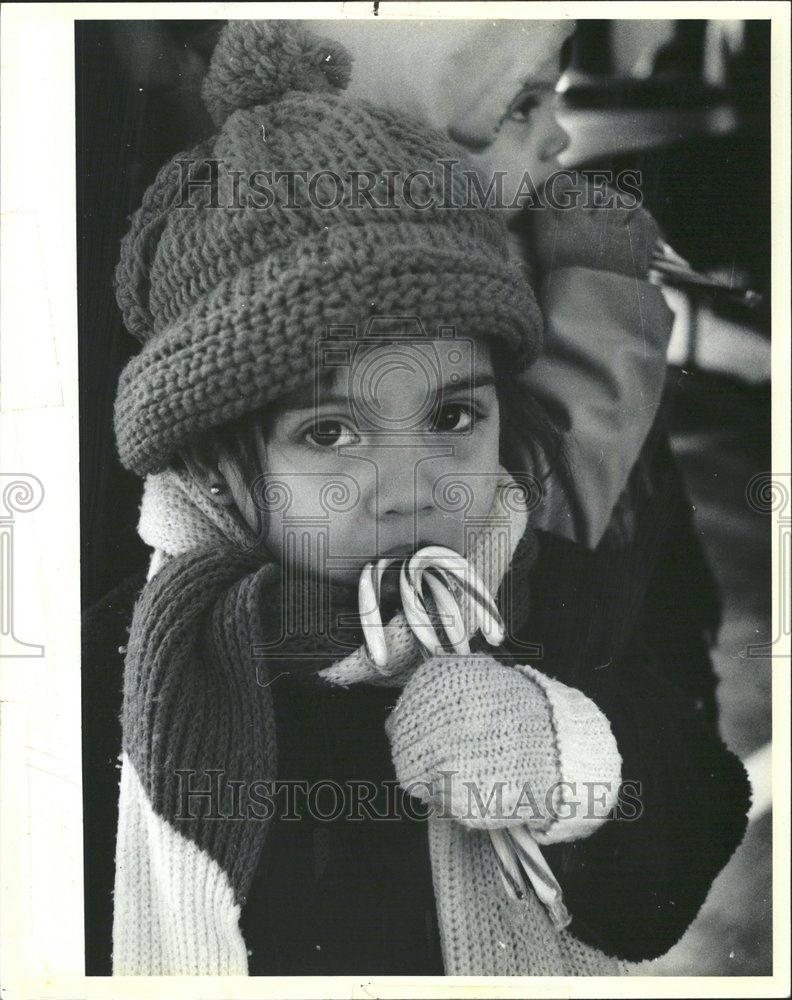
{"points": [[453, 417], [329, 434]]}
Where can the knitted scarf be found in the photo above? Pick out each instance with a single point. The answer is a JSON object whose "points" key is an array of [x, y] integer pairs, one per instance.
{"points": [[198, 733]]}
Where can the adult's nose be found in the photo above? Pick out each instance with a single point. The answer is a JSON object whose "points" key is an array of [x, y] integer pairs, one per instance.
{"points": [[555, 138]]}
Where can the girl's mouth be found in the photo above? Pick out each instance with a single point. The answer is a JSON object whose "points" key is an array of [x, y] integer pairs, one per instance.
{"points": [[407, 549]]}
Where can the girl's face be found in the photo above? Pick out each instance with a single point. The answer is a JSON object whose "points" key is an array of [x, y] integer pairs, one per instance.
{"points": [[397, 449]]}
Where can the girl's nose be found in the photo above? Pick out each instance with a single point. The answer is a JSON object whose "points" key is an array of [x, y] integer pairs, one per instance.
{"points": [[406, 481], [404, 506]]}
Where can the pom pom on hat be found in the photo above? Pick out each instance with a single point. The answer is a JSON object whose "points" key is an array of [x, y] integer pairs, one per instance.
{"points": [[257, 62]]}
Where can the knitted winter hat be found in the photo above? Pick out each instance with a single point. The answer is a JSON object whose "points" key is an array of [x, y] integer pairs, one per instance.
{"points": [[229, 283]]}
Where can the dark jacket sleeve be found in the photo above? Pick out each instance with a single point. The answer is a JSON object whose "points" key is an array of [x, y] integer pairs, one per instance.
{"points": [[105, 630], [629, 624]]}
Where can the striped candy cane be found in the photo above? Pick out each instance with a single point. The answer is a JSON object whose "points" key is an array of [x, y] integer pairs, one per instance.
{"points": [[450, 577]]}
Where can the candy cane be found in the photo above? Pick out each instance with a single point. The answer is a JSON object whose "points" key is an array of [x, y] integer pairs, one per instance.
{"points": [[539, 874], [442, 569], [453, 567], [485, 612], [416, 614], [369, 588], [518, 856], [449, 609]]}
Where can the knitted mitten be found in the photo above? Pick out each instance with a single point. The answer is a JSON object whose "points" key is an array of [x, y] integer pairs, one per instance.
{"points": [[497, 746]]}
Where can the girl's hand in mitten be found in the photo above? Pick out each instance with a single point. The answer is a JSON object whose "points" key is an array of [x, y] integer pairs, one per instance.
{"points": [[497, 746], [604, 231]]}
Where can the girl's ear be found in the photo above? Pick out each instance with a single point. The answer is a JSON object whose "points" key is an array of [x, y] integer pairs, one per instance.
{"points": [[204, 469], [220, 470], [239, 485]]}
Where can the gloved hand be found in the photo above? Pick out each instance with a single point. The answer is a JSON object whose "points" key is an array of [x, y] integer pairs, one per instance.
{"points": [[492, 745], [617, 239]]}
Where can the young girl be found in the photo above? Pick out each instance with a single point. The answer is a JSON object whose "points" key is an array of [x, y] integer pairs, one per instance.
{"points": [[323, 384]]}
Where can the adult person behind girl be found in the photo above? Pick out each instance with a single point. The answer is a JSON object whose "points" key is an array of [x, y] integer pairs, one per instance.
{"points": [[611, 563]]}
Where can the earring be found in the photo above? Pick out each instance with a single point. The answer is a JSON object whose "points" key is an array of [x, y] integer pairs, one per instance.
{"points": [[216, 489]]}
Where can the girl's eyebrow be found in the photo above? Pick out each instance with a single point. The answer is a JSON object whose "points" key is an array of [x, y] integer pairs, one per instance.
{"points": [[474, 382], [449, 388]]}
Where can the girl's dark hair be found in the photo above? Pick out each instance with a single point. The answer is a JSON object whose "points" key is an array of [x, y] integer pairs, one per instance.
{"points": [[527, 431], [531, 443], [238, 438], [532, 447]]}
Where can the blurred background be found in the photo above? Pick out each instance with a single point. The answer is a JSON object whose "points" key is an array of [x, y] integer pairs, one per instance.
{"points": [[686, 103]]}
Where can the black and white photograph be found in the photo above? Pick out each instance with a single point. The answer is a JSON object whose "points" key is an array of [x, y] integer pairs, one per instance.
{"points": [[396, 417]]}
